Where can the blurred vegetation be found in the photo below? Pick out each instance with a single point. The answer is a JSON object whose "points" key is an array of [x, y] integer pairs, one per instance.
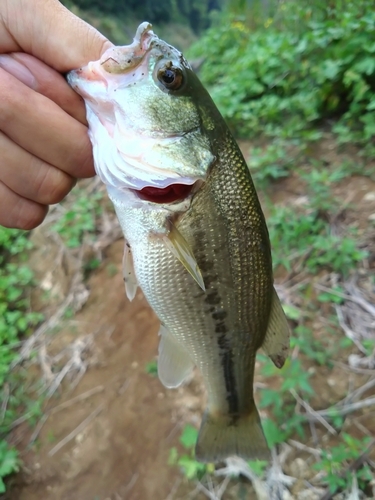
{"points": [[17, 320], [283, 70], [118, 19]]}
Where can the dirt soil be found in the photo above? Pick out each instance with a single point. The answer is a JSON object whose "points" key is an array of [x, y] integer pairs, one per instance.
{"points": [[113, 440]]}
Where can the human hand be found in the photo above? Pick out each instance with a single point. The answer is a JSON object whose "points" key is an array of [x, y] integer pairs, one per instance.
{"points": [[44, 146]]}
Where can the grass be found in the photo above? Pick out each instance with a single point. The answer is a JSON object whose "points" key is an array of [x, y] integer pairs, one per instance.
{"points": [[17, 320]]}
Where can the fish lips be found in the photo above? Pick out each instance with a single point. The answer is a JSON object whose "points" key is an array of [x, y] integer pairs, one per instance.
{"points": [[114, 61]]}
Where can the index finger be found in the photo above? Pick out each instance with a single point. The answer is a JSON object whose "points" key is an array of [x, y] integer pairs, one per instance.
{"points": [[50, 32]]}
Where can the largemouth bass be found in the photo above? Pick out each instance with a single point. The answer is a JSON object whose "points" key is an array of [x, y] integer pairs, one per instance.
{"points": [[196, 239]]}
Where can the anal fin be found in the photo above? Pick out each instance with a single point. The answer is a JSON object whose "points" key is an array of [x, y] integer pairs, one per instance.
{"points": [[277, 339], [174, 363], [130, 279]]}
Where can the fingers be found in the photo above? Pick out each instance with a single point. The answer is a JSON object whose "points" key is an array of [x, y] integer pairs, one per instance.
{"points": [[46, 81], [30, 177], [18, 212], [49, 31], [42, 128]]}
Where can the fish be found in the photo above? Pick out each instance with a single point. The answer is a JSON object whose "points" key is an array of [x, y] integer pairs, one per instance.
{"points": [[197, 243]]}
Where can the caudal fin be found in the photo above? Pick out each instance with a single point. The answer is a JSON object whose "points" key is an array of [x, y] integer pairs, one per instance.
{"points": [[223, 436]]}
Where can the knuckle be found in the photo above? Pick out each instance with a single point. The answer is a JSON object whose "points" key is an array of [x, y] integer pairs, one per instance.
{"points": [[79, 160], [33, 218], [25, 215], [53, 185]]}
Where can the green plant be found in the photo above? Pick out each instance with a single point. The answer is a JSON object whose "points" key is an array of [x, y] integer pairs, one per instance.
{"points": [[81, 218], [280, 403], [306, 237], [9, 463], [186, 461], [312, 348], [303, 64], [272, 161], [334, 463], [17, 320], [152, 368]]}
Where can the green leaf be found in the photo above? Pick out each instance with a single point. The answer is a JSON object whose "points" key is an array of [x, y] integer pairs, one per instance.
{"points": [[9, 461], [189, 436], [292, 312], [274, 434]]}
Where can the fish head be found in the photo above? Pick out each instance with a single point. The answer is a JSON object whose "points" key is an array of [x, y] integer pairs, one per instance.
{"points": [[144, 121]]}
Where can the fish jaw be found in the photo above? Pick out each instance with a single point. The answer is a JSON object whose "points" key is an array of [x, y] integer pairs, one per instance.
{"points": [[136, 146]]}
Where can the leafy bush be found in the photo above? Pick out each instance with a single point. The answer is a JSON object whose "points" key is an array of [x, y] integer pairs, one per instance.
{"points": [[307, 236], [81, 218], [9, 463], [16, 321], [281, 77]]}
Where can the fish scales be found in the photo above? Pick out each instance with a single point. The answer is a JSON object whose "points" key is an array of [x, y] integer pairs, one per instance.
{"points": [[201, 254]]}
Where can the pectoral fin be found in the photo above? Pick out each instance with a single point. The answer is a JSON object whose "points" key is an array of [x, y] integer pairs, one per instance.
{"points": [[130, 279], [276, 341], [174, 363], [181, 249]]}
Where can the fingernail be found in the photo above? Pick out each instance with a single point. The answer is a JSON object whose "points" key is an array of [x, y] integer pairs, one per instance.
{"points": [[18, 70]]}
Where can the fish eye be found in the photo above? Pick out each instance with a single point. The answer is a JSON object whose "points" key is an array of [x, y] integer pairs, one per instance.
{"points": [[170, 77]]}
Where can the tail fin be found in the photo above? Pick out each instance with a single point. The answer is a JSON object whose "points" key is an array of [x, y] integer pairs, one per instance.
{"points": [[222, 436]]}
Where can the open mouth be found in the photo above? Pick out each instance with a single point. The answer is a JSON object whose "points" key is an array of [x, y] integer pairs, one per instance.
{"points": [[169, 194]]}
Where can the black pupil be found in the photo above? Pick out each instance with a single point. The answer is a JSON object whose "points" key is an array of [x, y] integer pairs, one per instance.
{"points": [[169, 76]]}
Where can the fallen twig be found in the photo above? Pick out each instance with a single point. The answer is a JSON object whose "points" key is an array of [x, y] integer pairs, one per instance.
{"points": [[303, 447], [340, 410], [62, 406], [76, 431], [76, 399], [311, 412], [356, 299]]}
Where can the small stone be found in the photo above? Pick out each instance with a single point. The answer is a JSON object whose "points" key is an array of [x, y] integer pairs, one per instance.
{"points": [[299, 468], [287, 495], [369, 196], [314, 494], [79, 438]]}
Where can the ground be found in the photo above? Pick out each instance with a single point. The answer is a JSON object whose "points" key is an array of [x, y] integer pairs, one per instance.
{"points": [[108, 424]]}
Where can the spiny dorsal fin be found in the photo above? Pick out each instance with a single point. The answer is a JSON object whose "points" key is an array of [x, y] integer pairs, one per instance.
{"points": [[181, 249], [174, 363], [277, 339], [130, 279]]}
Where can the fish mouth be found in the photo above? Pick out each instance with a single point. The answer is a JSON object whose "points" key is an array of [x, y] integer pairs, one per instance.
{"points": [[118, 60], [169, 194]]}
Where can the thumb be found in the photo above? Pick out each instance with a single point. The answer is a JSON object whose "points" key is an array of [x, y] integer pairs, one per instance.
{"points": [[50, 32]]}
